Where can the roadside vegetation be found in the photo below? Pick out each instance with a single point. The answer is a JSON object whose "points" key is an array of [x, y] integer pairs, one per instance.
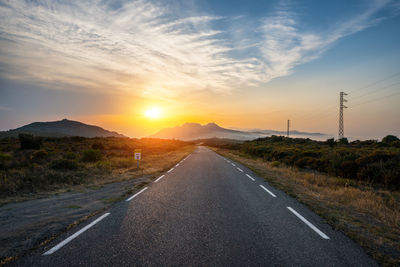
{"points": [[31, 164], [354, 186]]}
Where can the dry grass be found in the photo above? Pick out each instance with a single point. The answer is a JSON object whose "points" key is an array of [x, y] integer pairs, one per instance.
{"points": [[369, 216], [117, 164], [150, 165]]}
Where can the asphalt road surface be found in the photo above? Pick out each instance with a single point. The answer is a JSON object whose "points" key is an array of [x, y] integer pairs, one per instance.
{"points": [[205, 211]]}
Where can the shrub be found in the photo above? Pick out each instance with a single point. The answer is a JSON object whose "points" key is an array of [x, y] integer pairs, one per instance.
{"points": [[395, 144], [28, 141], [104, 165], [389, 139], [372, 161], [343, 141], [98, 146], [330, 142], [4, 159], [70, 155], [64, 164], [91, 155], [306, 162], [39, 155], [275, 164]]}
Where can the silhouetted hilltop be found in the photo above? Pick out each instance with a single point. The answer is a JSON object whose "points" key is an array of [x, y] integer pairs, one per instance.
{"points": [[61, 128], [194, 131]]}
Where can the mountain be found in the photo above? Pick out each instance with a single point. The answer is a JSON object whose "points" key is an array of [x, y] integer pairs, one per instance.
{"points": [[194, 131], [61, 128]]}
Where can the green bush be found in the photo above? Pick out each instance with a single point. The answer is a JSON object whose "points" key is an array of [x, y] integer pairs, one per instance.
{"points": [[388, 139], [275, 164], [70, 155], [64, 164], [4, 160], [372, 161], [91, 155]]}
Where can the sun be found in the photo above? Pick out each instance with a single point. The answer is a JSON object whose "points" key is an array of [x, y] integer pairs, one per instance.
{"points": [[153, 113]]}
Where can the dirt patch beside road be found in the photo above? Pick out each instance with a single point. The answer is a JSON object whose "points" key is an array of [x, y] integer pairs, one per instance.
{"points": [[25, 225]]}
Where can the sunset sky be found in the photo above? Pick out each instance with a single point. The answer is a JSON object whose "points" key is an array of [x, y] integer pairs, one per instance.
{"points": [[138, 66]]}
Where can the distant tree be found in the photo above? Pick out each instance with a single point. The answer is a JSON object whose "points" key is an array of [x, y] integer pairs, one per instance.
{"points": [[330, 142], [388, 139], [344, 141]]}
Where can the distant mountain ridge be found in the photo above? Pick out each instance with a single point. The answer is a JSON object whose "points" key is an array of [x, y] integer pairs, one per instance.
{"points": [[61, 128], [193, 131]]}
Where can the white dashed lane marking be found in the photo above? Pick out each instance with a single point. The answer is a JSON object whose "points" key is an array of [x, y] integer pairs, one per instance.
{"points": [[312, 226], [269, 192], [135, 195], [72, 237], [251, 178], [159, 178]]}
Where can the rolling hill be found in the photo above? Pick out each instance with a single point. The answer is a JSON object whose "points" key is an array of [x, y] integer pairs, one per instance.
{"points": [[61, 128], [194, 131]]}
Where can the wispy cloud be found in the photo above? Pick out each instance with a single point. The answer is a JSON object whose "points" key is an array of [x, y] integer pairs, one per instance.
{"points": [[287, 45], [141, 46]]}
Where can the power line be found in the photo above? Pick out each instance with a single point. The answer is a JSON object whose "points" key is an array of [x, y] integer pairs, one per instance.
{"points": [[373, 83], [325, 109], [377, 99], [333, 112], [378, 89], [327, 112]]}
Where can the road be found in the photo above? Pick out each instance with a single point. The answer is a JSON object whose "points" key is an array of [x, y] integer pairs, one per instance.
{"points": [[205, 211]]}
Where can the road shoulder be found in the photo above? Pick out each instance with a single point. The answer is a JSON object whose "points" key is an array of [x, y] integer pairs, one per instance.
{"points": [[343, 207]]}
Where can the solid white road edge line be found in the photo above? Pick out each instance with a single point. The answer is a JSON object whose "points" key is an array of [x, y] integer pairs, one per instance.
{"points": [[324, 236], [251, 178], [69, 239], [269, 192], [159, 178], [132, 197], [239, 169]]}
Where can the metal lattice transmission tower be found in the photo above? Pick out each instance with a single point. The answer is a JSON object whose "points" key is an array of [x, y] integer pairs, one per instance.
{"points": [[288, 127], [342, 106]]}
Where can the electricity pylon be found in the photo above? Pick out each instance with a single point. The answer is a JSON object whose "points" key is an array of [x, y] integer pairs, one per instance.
{"points": [[342, 106]]}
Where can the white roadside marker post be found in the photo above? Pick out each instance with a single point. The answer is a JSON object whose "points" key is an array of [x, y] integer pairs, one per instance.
{"points": [[138, 156]]}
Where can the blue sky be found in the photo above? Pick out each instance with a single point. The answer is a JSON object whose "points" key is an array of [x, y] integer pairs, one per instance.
{"points": [[242, 64]]}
